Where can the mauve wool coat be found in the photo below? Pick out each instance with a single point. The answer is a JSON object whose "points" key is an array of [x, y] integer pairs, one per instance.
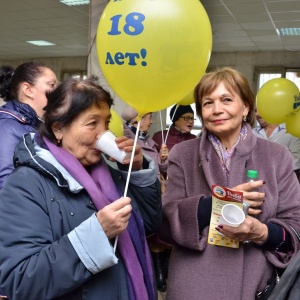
{"points": [[199, 270]]}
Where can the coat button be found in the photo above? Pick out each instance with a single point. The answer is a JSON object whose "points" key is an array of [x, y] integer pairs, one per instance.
{"points": [[52, 199], [72, 214]]}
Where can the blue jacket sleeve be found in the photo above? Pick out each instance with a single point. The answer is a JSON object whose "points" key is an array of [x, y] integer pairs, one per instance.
{"points": [[87, 239], [144, 191]]}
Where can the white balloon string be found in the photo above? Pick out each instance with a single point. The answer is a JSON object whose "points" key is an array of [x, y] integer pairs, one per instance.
{"points": [[161, 126], [116, 243], [165, 142], [129, 172]]}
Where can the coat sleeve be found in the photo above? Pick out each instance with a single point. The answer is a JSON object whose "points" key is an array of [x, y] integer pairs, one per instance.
{"points": [[33, 263], [180, 211], [144, 191], [148, 201], [284, 207], [10, 135]]}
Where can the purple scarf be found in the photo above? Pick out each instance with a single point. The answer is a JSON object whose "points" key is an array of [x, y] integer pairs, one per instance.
{"points": [[223, 154], [132, 243]]}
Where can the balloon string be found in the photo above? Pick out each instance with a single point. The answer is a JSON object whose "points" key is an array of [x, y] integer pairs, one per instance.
{"points": [[161, 126], [129, 172], [165, 142]]}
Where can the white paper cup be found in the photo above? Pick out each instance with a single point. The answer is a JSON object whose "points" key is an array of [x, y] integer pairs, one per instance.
{"points": [[231, 215], [106, 144]]}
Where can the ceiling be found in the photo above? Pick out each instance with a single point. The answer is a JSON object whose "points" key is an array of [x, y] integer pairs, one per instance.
{"points": [[50, 20], [250, 25], [238, 25]]}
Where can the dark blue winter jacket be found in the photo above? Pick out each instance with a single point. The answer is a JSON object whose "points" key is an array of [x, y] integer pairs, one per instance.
{"points": [[45, 212], [16, 118]]}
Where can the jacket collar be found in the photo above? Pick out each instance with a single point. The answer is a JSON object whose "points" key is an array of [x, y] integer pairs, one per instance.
{"points": [[30, 153], [22, 111], [210, 161], [175, 131]]}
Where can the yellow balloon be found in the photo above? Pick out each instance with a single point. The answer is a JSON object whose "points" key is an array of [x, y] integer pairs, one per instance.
{"points": [[116, 124], [276, 99], [188, 99], [153, 52], [293, 123]]}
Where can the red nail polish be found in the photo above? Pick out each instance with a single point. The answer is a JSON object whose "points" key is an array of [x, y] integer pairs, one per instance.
{"points": [[220, 226], [264, 182], [218, 229]]}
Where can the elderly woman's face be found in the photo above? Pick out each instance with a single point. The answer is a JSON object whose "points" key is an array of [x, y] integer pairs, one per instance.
{"points": [[185, 123], [223, 112], [146, 122], [79, 138]]}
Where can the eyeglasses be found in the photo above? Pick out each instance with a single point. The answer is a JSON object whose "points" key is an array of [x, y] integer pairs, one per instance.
{"points": [[186, 119]]}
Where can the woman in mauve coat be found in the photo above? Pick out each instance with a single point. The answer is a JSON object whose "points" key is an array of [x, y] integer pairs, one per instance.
{"points": [[222, 155]]}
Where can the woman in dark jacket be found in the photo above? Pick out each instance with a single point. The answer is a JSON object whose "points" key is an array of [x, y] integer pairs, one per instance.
{"points": [[24, 91], [65, 206], [182, 117]]}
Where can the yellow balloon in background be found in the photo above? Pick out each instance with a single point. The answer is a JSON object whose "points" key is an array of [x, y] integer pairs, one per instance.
{"points": [[293, 123], [276, 99], [116, 124], [188, 99], [153, 52]]}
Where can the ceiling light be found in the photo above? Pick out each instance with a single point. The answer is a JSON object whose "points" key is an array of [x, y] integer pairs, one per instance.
{"points": [[75, 2], [288, 31], [40, 43]]}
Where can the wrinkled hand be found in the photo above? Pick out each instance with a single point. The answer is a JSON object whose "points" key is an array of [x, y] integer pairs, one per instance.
{"points": [[255, 199], [163, 152], [114, 217], [250, 230], [127, 145]]}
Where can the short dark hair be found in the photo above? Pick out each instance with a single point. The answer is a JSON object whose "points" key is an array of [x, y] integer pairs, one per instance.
{"points": [[70, 98], [11, 79]]}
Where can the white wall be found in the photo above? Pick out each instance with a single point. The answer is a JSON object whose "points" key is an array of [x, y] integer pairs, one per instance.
{"points": [[57, 65]]}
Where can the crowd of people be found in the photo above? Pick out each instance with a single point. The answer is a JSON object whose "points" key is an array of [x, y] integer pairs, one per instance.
{"points": [[75, 234]]}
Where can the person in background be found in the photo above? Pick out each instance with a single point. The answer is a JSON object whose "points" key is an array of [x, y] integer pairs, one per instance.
{"points": [[182, 117], [277, 133], [148, 146], [24, 91], [65, 207], [223, 153]]}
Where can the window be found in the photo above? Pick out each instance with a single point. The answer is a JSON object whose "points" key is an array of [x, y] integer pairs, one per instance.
{"points": [[78, 74], [265, 74], [293, 75]]}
